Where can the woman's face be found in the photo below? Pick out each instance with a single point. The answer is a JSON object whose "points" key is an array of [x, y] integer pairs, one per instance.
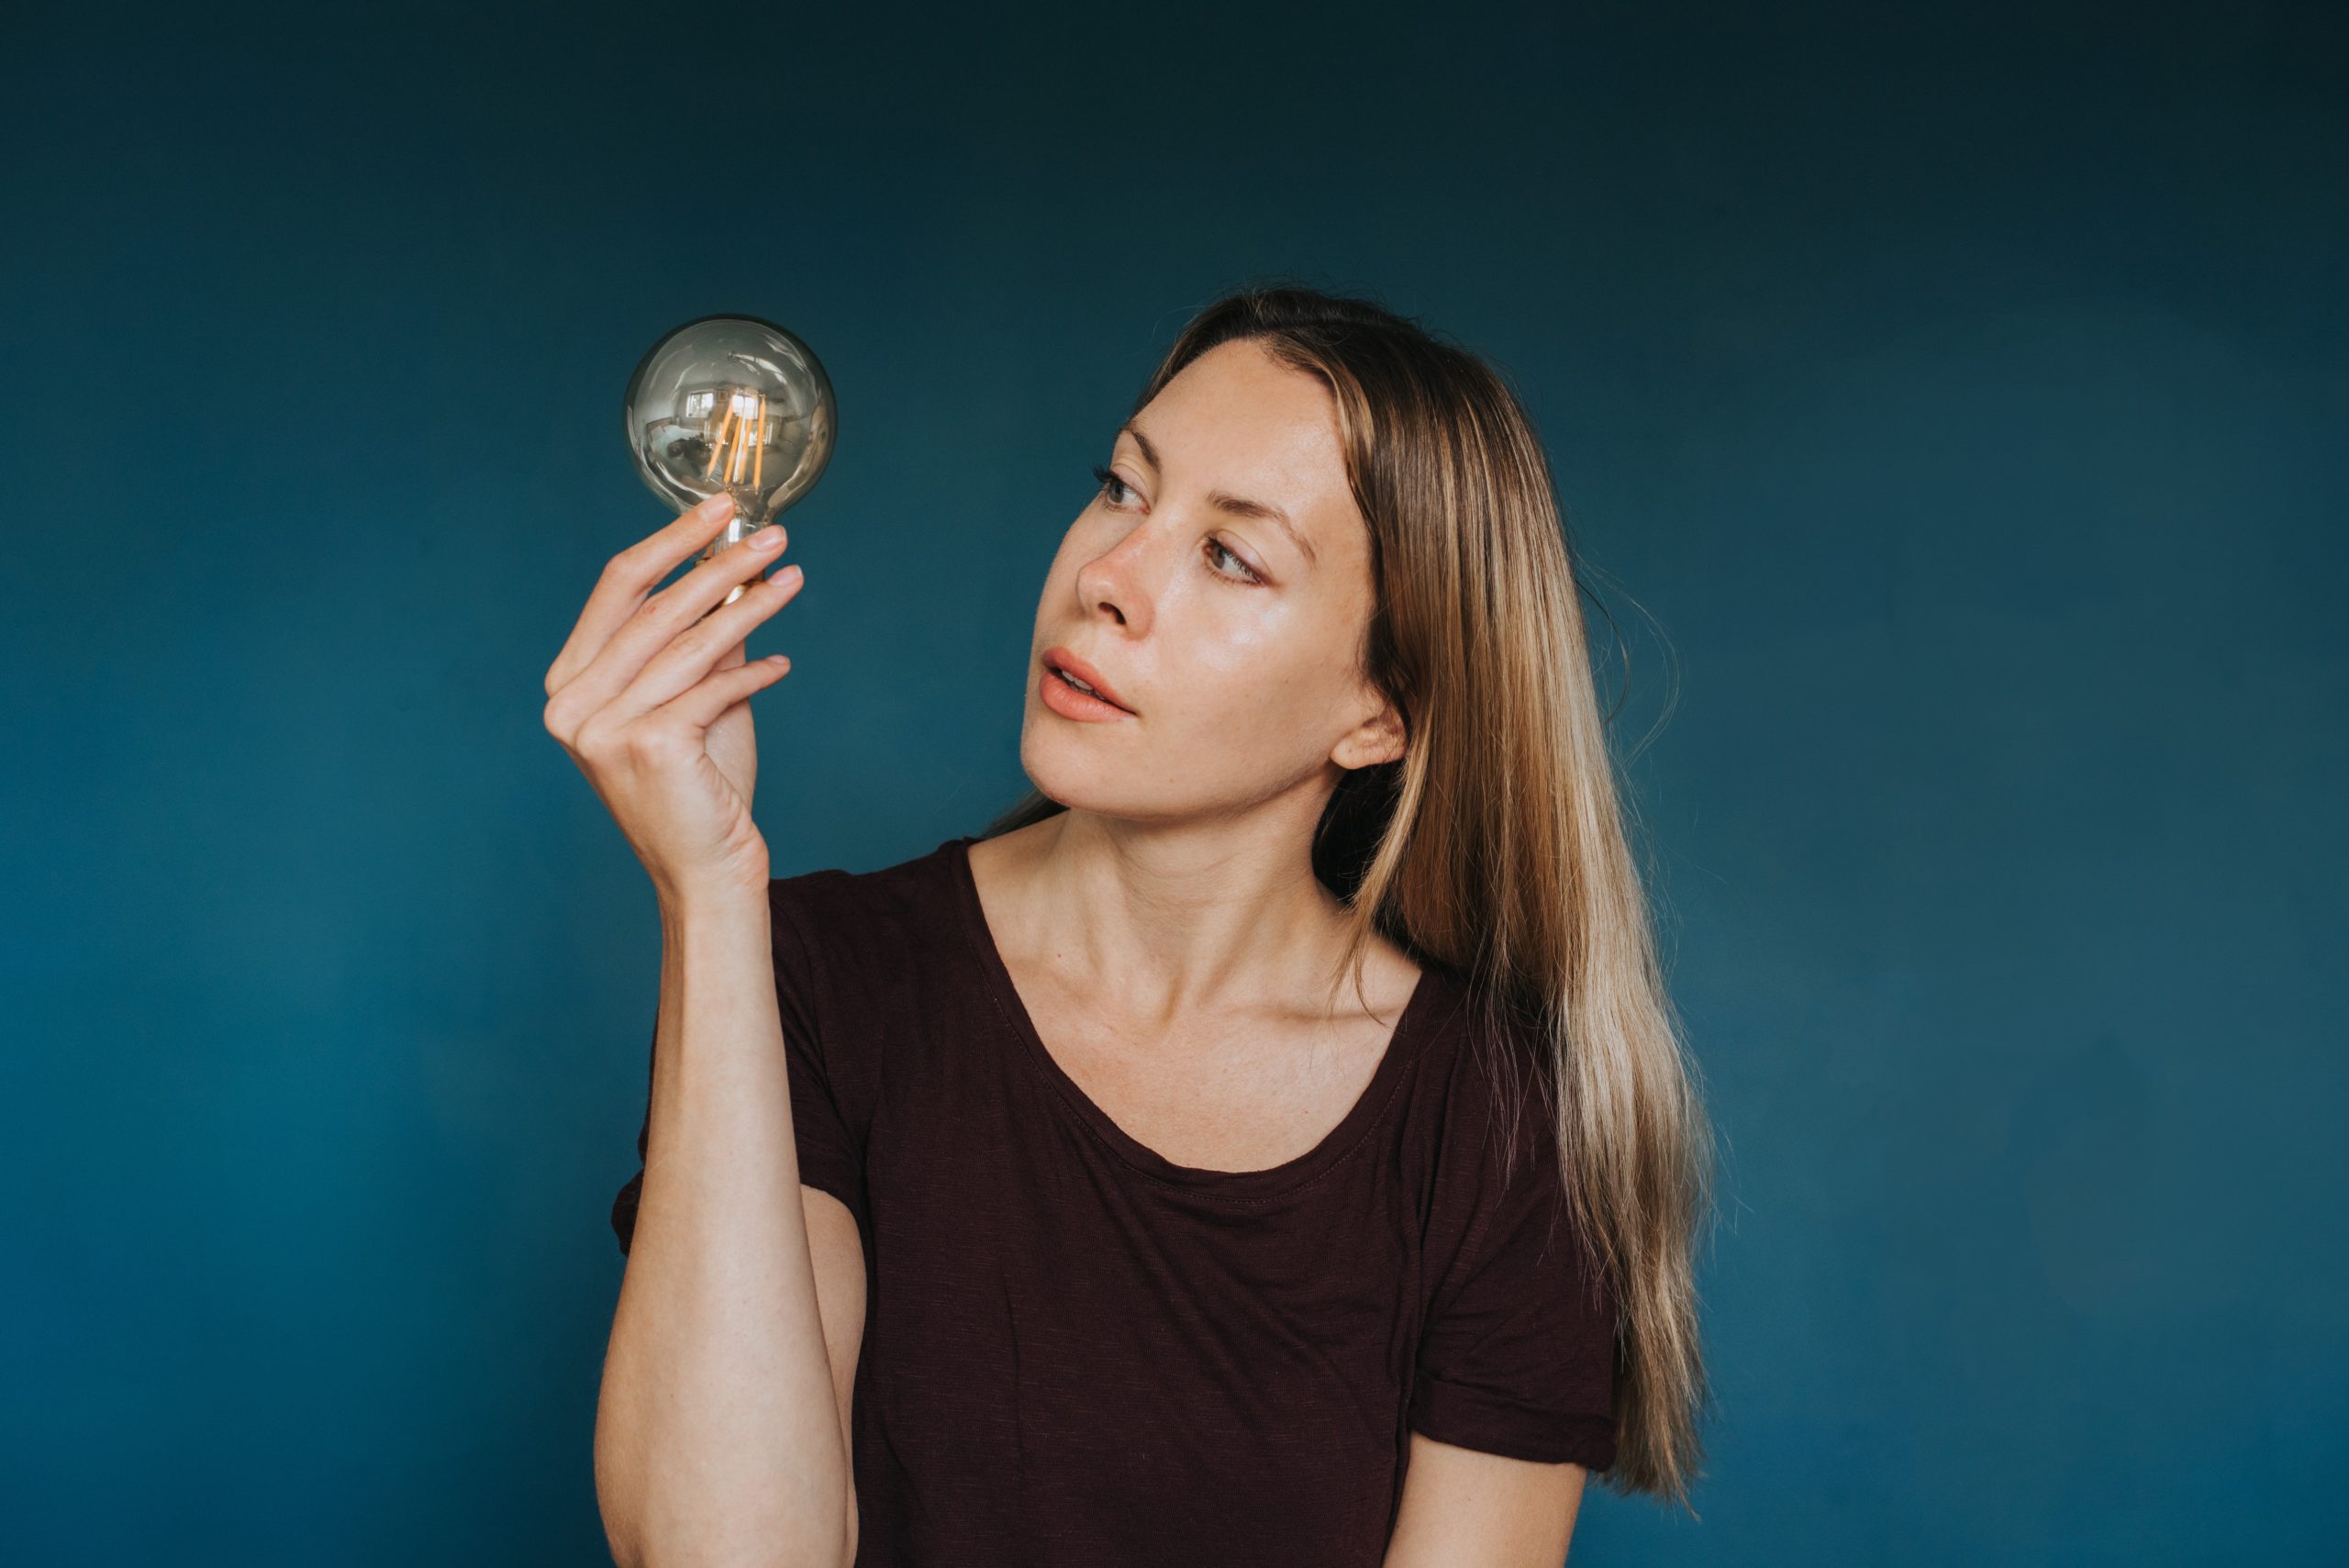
{"points": [[1229, 638]]}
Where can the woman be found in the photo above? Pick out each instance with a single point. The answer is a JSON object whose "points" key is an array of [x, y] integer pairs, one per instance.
{"points": [[1271, 1142]]}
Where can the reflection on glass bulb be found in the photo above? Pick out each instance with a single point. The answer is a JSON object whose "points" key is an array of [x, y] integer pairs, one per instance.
{"points": [[735, 404]]}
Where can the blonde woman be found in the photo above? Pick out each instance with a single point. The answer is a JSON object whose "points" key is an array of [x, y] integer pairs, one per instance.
{"points": [[1269, 1143]]}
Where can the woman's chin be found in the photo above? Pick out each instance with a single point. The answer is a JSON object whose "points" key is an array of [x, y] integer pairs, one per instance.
{"points": [[1081, 776]]}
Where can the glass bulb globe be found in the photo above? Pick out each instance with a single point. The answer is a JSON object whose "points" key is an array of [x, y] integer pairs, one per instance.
{"points": [[736, 403]]}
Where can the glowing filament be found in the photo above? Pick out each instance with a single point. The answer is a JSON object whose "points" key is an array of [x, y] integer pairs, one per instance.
{"points": [[717, 447], [741, 440]]}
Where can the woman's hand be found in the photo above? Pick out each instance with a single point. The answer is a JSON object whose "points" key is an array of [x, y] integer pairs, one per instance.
{"points": [[651, 696]]}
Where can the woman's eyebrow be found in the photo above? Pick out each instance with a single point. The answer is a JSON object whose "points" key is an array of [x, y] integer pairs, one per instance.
{"points": [[1237, 505]]}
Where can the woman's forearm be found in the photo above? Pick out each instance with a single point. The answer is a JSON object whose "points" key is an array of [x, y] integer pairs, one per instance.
{"points": [[717, 1440]]}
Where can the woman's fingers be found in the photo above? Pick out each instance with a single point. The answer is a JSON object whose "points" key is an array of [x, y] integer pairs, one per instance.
{"points": [[691, 599], [691, 654], [628, 575], [701, 704], [656, 624]]}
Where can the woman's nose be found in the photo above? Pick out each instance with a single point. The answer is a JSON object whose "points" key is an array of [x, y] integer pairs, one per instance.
{"points": [[1123, 578]]}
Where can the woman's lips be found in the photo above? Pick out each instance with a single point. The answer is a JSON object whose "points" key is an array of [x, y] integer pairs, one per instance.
{"points": [[1066, 660], [1070, 703]]}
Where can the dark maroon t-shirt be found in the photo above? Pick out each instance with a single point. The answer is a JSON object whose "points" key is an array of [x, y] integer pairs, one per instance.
{"points": [[1078, 1352]]}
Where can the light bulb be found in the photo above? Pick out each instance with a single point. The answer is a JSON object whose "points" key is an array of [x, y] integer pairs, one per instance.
{"points": [[736, 403]]}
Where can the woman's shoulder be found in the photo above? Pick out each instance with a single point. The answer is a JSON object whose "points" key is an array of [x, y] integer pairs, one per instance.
{"points": [[1487, 1079], [853, 938], [912, 891]]}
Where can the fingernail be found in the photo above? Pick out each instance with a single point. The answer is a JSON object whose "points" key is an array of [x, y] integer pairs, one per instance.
{"points": [[766, 537], [718, 505]]}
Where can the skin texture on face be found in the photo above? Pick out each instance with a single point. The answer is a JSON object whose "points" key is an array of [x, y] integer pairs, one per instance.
{"points": [[1233, 643]]}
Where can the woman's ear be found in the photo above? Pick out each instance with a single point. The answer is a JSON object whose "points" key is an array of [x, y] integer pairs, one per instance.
{"points": [[1379, 738]]}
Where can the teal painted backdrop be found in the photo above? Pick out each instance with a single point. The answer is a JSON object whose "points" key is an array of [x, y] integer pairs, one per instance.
{"points": [[1950, 402]]}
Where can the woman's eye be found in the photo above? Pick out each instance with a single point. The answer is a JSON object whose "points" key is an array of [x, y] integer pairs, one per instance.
{"points": [[1215, 546], [1105, 478]]}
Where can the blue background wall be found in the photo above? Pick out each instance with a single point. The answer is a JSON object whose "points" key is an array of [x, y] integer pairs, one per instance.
{"points": [[1949, 400]]}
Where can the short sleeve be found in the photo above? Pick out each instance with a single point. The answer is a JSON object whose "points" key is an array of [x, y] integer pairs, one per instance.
{"points": [[1518, 1356], [831, 1155]]}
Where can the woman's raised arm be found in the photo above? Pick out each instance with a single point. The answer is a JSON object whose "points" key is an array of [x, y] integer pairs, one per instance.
{"points": [[719, 1436]]}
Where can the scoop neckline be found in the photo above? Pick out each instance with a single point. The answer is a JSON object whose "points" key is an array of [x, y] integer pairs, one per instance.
{"points": [[1268, 1181]]}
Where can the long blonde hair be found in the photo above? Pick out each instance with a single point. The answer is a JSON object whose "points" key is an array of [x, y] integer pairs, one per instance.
{"points": [[1496, 844]]}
